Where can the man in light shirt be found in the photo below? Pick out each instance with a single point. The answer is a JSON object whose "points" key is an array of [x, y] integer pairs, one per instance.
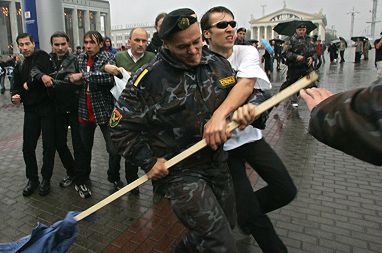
{"points": [[248, 145]]}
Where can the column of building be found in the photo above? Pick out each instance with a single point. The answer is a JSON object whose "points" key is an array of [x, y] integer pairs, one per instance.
{"points": [[13, 21], [76, 39]]}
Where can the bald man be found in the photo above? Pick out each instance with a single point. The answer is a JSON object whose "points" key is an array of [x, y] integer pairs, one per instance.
{"points": [[136, 56], [131, 60]]}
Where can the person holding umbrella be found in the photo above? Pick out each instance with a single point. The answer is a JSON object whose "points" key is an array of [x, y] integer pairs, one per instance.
{"points": [[299, 54], [343, 46]]}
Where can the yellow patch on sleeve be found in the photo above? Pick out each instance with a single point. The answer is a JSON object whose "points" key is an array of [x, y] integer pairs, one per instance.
{"points": [[227, 81]]}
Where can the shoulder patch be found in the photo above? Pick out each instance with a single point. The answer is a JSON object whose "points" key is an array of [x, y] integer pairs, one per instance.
{"points": [[227, 81], [139, 78], [115, 117]]}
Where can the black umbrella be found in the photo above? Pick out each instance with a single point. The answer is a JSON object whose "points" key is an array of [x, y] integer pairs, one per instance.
{"points": [[361, 38], [288, 28], [277, 41]]}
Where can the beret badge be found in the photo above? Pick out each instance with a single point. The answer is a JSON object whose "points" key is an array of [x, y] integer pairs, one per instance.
{"points": [[183, 23]]}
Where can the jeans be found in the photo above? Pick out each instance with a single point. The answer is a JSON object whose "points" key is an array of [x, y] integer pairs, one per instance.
{"points": [[63, 120], [253, 206], [39, 119], [87, 130]]}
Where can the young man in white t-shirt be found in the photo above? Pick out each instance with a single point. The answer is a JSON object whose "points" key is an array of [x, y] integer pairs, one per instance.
{"points": [[248, 145]]}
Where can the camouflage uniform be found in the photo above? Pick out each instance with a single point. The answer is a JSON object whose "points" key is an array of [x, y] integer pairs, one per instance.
{"points": [[351, 122], [296, 69], [162, 112]]}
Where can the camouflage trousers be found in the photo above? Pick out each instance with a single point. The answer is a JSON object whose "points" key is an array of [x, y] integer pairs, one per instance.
{"points": [[207, 210]]}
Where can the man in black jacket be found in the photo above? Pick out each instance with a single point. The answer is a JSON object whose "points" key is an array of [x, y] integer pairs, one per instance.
{"points": [[156, 42], [65, 95], [33, 91]]}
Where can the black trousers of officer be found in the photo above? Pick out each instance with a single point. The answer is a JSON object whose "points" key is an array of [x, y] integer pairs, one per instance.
{"points": [[253, 206], [63, 120], [39, 120]]}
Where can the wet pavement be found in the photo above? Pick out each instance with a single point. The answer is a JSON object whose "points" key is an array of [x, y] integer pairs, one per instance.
{"points": [[338, 207]]}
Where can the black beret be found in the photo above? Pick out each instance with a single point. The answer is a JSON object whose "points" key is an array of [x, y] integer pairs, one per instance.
{"points": [[241, 29], [175, 21]]}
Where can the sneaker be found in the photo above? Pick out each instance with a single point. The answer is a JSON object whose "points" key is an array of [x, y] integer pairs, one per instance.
{"points": [[118, 185], [66, 181], [83, 191]]}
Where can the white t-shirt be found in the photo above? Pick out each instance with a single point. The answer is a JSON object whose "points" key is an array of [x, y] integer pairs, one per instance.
{"points": [[245, 61]]}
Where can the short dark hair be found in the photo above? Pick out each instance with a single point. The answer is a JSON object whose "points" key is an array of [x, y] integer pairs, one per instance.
{"points": [[205, 20], [95, 36], [241, 29], [24, 35], [59, 34], [159, 17]]}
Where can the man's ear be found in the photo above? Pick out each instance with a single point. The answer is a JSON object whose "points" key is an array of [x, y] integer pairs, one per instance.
{"points": [[206, 34], [165, 44]]}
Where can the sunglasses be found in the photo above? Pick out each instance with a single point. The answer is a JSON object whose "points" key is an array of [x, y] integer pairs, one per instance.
{"points": [[224, 24]]}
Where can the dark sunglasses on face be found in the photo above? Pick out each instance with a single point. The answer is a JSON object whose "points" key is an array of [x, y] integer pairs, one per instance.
{"points": [[224, 24]]}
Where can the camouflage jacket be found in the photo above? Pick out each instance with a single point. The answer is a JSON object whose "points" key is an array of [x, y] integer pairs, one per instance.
{"points": [[299, 46], [164, 107], [351, 122]]}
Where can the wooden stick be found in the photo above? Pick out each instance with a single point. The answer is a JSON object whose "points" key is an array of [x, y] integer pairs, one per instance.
{"points": [[269, 103]]}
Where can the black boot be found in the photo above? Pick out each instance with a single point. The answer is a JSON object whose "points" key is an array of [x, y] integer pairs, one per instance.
{"points": [[30, 187], [44, 187]]}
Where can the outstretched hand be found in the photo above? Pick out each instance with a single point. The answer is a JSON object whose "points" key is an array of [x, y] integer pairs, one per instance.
{"points": [[314, 96]]}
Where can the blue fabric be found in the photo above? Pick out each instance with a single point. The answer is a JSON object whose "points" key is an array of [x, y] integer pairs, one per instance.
{"points": [[267, 46], [54, 239]]}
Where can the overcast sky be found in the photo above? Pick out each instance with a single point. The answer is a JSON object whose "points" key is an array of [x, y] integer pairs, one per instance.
{"points": [[145, 11]]}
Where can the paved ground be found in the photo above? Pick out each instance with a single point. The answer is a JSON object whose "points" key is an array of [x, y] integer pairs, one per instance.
{"points": [[338, 207]]}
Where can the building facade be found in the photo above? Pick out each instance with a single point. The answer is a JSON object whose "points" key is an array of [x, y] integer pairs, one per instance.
{"points": [[262, 28], [120, 33], [78, 17], [81, 16]]}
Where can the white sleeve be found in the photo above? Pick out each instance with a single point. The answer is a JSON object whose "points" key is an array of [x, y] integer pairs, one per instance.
{"points": [[248, 66]]}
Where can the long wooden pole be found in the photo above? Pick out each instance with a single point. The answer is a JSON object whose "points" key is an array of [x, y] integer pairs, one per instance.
{"points": [[269, 103]]}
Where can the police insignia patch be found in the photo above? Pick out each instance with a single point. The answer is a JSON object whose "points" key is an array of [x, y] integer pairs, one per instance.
{"points": [[227, 81], [115, 117], [183, 23]]}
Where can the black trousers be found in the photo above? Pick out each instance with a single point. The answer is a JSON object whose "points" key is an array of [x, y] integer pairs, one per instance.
{"points": [[87, 130], [131, 172], [76, 164], [39, 120], [253, 206]]}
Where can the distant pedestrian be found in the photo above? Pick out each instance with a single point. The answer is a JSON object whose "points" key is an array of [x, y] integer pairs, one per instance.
{"points": [[366, 48], [333, 52], [378, 55], [240, 39], [358, 50], [343, 46], [156, 42], [3, 73], [108, 46]]}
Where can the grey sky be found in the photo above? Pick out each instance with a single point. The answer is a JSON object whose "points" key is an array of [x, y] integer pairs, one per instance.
{"points": [[145, 11]]}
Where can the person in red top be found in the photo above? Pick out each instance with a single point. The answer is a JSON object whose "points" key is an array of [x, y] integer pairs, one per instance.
{"points": [[95, 105]]}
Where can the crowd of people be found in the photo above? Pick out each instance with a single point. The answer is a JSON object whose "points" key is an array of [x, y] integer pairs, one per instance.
{"points": [[185, 84]]}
